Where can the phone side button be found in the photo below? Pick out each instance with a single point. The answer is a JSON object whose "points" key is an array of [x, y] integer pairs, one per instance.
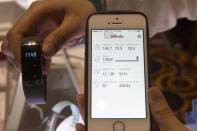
{"points": [[118, 126]]}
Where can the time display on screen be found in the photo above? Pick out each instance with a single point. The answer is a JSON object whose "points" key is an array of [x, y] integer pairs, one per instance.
{"points": [[31, 54], [32, 62]]}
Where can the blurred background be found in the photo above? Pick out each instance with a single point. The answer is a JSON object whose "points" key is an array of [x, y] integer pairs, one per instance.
{"points": [[173, 65]]}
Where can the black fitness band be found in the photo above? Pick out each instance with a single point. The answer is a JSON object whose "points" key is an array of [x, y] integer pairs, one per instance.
{"points": [[34, 82]]}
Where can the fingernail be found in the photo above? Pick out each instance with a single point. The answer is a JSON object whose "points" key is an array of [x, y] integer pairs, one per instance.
{"points": [[3, 46], [1, 43]]}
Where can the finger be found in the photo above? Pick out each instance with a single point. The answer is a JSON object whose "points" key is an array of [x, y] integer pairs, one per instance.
{"points": [[80, 127], [75, 39], [71, 43], [35, 14], [55, 40], [162, 112], [28, 22], [5, 50], [81, 103], [1, 46], [73, 23], [47, 26]]}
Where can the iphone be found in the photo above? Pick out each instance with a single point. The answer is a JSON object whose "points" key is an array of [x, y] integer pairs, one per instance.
{"points": [[116, 76]]}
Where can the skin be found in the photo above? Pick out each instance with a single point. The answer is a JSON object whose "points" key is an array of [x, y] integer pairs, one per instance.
{"points": [[162, 113], [58, 22]]}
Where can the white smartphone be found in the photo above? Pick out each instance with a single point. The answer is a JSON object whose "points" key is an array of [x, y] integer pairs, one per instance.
{"points": [[117, 73]]}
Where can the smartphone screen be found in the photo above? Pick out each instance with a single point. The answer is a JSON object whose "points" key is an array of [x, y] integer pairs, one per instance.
{"points": [[118, 74]]}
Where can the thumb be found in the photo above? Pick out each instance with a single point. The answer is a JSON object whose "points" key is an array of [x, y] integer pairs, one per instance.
{"points": [[81, 103], [162, 112]]}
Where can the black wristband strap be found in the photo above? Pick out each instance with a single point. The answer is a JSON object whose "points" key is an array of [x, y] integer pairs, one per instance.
{"points": [[35, 91], [97, 4], [34, 82]]}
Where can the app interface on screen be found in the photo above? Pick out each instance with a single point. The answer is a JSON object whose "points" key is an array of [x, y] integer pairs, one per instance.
{"points": [[118, 82]]}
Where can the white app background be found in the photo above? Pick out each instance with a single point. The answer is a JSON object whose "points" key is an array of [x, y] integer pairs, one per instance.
{"points": [[118, 83]]}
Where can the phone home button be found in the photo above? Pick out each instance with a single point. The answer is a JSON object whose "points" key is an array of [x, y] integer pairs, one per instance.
{"points": [[118, 126]]}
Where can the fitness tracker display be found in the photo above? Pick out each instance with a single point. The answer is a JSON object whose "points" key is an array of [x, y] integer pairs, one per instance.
{"points": [[34, 82]]}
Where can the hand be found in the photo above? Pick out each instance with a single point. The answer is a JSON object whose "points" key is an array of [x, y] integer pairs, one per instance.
{"points": [[58, 22], [159, 108]]}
